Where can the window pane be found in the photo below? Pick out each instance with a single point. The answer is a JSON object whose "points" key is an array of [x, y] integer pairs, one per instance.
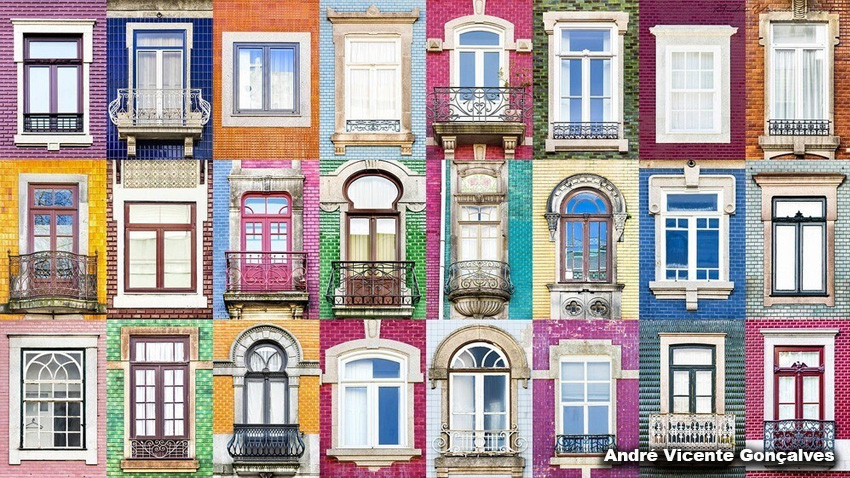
{"points": [[811, 390], [813, 70], [692, 202], [495, 399], [492, 67], [571, 90], [372, 192], [681, 382], [359, 88], [785, 258], [386, 96], [598, 392], [142, 259], [598, 371], [356, 428], [365, 369], [160, 38], [389, 409], [703, 405], [797, 33], [277, 401], [177, 253], [704, 384], [580, 40], [572, 392], [255, 403], [809, 358], [68, 88], [282, 72], [708, 251], [693, 356], [786, 208], [784, 84], [574, 253], [586, 203], [250, 78], [39, 89], [358, 239], [160, 214], [573, 420], [597, 420], [479, 38], [787, 392], [385, 239], [463, 393], [676, 244], [53, 49], [813, 254]]}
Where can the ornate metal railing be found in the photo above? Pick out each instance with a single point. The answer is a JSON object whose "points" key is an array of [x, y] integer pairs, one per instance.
{"points": [[795, 127], [373, 284], [157, 449], [372, 126], [266, 272], [692, 431], [793, 435], [479, 277], [584, 444], [266, 442], [52, 274], [479, 442], [53, 123], [489, 103], [592, 130], [159, 107]]}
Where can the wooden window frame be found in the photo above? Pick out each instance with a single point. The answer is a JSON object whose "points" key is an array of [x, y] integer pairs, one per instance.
{"points": [[798, 374], [160, 260], [53, 65], [373, 214], [33, 210], [159, 367], [266, 218], [585, 219], [691, 369]]}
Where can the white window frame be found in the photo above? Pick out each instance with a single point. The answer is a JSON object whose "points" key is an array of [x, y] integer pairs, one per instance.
{"points": [[798, 70], [478, 224], [691, 216], [479, 51], [383, 38], [372, 398], [715, 51], [84, 28], [612, 381], [186, 56], [89, 343]]}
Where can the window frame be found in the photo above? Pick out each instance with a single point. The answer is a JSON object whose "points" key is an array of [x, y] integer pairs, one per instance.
{"points": [[185, 53], [478, 51], [672, 368], [798, 48], [159, 368], [798, 223], [382, 37], [160, 228], [585, 219], [266, 218], [373, 215], [478, 225], [560, 403], [267, 377], [691, 216], [54, 65], [296, 79], [33, 210], [798, 374], [717, 67], [478, 412]]}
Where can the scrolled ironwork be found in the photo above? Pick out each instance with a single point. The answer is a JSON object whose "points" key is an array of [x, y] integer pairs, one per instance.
{"points": [[373, 284], [479, 277], [53, 122], [797, 127], [584, 444], [159, 449], [52, 274], [487, 103], [588, 130], [266, 442], [159, 107], [692, 431], [479, 442], [372, 126], [266, 272], [793, 435]]}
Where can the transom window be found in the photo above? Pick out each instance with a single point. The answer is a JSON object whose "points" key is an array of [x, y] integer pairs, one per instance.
{"points": [[585, 234], [798, 71], [373, 74], [159, 368], [799, 246], [586, 73], [266, 385], [266, 77], [160, 246], [479, 56], [373, 412], [479, 386], [585, 396], [798, 374], [694, 92], [480, 233], [53, 401], [692, 369], [53, 80], [691, 236], [53, 211]]}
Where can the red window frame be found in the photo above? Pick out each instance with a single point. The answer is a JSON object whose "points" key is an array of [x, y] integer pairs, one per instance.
{"points": [[159, 368], [53, 64], [798, 372], [34, 210], [267, 219], [160, 229], [586, 219]]}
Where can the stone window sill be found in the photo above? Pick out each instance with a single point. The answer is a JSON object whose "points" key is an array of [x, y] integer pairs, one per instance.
{"points": [[691, 291], [403, 140], [826, 300], [160, 466], [374, 458], [619, 145], [53, 142], [799, 145]]}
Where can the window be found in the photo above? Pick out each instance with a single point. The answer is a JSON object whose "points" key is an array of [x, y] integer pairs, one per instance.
{"points": [[692, 234], [480, 233], [373, 72], [479, 381], [266, 385], [694, 92], [159, 369], [53, 404], [159, 73], [799, 383], [160, 246], [267, 78], [585, 225], [53, 212], [373, 412], [479, 59], [799, 235], [585, 396], [798, 66], [373, 220], [586, 73], [692, 375], [266, 223], [53, 79]]}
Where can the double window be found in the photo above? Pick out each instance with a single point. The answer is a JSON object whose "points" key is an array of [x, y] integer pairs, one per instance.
{"points": [[159, 373], [692, 232], [373, 394], [53, 82], [160, 246], [479, 57], [586, 227], [266, 386], [160, 73], [373, 218], [267, 78], [53, 401], [585, 396], [480, 233], [586, 73], [53, 217], [799, 71], [799, 383], [479, 387], [692, 376], [799, 246], [373, 77]]}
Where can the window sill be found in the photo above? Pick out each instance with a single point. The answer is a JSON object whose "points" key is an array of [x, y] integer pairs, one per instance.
{"points": [[691, 291], [266, 120], [374, 458], [827, 300], [17, 456], [182, 300], [693, 138], [403, 140], [774, 146], [53, 142], [583, 461], [159, 466], [618, 145]]}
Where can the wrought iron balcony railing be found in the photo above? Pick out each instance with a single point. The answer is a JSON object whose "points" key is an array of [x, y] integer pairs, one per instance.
{"points": [[479, 278], [53, 123], [793, 435], [159, 449], [373, 126], [584, 444], [797, 127], [489, 103], [591, 130], [53, 275], [692, 431], [266, 443], [479, 442], [159, 107], [373, 284], [266, 272]]}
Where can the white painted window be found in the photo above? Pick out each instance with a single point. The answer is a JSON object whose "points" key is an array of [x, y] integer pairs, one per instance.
{"points": [[586, 73], [373, 395], [799, 69], [694, 92], [585, 393], [373, 74], [53, 399], [480, 233], [479, 58]]}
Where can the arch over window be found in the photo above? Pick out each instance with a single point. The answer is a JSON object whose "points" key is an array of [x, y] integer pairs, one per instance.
{"points": [[266, 385], [585, 237], [479, 355], [373, 191]]}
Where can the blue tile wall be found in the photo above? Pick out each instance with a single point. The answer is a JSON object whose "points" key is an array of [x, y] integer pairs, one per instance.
{"points": [[221, 233], [520, 238]]}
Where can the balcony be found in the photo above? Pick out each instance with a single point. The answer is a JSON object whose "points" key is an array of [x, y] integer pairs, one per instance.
{"points": [[479, 288], [587, 136], [793, 435], [53, 123], [372, 289], [159, 449], [272, 449], [479, 442], [692, 431], [274, 282], [584, 444], [53, 282], [479, 115], [159, 114], [799, 137]]}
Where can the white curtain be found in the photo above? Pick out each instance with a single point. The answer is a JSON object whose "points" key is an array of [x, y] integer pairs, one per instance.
{"points": [[254, 403], [372, 192], [787, 397], [358, 93], [282, 76], [250, 78], [812, 248], [813, 84], [358, 370], [142, 259], [277, 407], [160, 214], [373, 78], [356, 429], [811, 398], [784, 88], [177, 252], [785, 254]]}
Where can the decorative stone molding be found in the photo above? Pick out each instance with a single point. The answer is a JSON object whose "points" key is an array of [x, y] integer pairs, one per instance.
{"points": [[160, 173], [582, 301]]}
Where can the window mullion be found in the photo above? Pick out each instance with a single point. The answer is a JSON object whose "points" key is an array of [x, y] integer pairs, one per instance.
{"points": [[692, 248], [585, 89]]}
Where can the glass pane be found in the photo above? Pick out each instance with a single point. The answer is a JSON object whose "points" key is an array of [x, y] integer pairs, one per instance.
{"points": [[160, 214], [358, 239], [466, 73], [255, 401], [786, 412], [68, 88], [372, 192], [573, 420], [681, 382], [598, 392], [784, 208], [39, 89], [177, 254], [571, 90], [495, 422], [811, 411], [681, 404], [813, 254], [586, 202], [785, 258], [369, 368], [572, 392], [142, 259], [492, 67], [251, 79], [784, 84], [282, 78], [708, 249], [811, 389], [356, 422], [693, 356], [692, 202], [53, 49], [160, 38], [385, 239], [463, 393], [703, 405], [580, 40], [385, 92], [389, 413], [597, 420], [676, 244], [64, 197], [359, 93], [598, 371], [479, 38], [704, 385], [495, 393], [813, 85], [172, 78], [573, 371], [798, 33], [809, 358]]}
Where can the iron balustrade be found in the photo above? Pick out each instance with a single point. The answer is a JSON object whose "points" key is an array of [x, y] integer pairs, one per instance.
{"points": [[373, 126], [266, 272], [159, 449], [590, 130], [793, 435], [692, 431], [479, 442], [266, 442], [159, 107], [488, 103], [373, 284], [52, 274], [53, 123], [797, 127], [479, 277], [584, 444]]}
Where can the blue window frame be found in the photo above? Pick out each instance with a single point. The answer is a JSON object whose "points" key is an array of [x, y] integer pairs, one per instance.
{"points": [[266, 78]]}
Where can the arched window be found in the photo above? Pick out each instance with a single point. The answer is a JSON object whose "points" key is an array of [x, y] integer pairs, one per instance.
{"points": [[373, 220], [586, 237], [53, 399], [373, 391], [479, 388], [266, 385], [479, 57]]}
